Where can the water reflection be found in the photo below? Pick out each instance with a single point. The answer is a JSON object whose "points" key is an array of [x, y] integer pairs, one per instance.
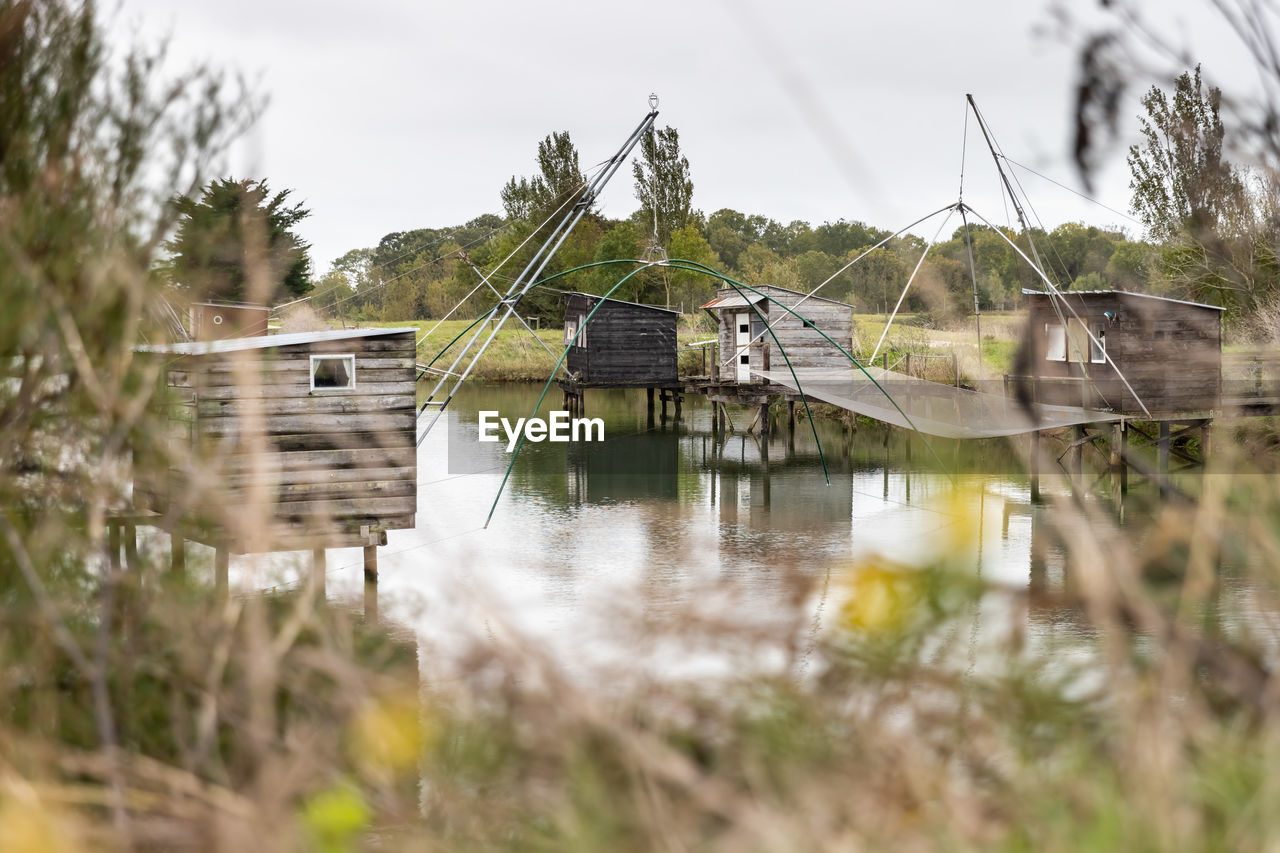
{"points": [[592, 546]]}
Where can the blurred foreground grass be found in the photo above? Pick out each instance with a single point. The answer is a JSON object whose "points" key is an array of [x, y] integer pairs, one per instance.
{"points": [[140, 710]]}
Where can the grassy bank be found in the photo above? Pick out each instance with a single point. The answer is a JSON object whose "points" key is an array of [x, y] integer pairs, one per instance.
{"points": [[516, 356]]}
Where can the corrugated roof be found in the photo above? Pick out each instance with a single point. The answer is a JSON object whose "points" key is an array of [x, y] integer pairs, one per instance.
{"points": [[619, 301], [271, 341], [734, 301], [1026, 291], [737, 301]]}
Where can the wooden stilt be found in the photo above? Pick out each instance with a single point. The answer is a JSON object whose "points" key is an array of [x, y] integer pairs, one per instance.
{"points": [[178, 554], [113, 546], [1034, 466], [131, 546], [649, 396], [1116, 460], [662, 395], [221, 570], [371, 583], [1162, 451], [1204, 442], [1077, 450], [764, 418], [791, 414], [318, 571], [679, 400]]}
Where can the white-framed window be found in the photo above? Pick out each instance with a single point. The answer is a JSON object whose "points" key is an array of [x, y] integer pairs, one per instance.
{"points": [[1098, 343], [570, 329], [1055, 342], [333, 372]]}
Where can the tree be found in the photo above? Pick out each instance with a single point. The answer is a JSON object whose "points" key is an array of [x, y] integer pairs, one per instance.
{"points": [[236, 242], [560, 178], [1183, 187], [663, 186]]}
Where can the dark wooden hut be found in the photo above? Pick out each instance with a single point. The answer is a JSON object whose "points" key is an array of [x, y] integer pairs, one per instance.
{"points": [[745, 346], [294, 441], [1168, 350], [624, 345]]}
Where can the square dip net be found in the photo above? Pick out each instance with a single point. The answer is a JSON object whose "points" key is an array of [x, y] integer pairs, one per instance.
{"points": [[930, 407]]}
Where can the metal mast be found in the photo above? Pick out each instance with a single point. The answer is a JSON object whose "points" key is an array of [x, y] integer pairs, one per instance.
{"points": [[529, 276], [1017, 205]]}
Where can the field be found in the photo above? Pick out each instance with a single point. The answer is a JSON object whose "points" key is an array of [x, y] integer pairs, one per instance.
{"points": [[516, 356]]}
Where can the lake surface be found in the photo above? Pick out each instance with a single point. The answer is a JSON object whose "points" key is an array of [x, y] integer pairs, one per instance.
{"points": [[622, 550]]}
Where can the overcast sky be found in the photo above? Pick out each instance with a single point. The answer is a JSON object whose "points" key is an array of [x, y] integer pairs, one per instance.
{"points": [[389, 115]]}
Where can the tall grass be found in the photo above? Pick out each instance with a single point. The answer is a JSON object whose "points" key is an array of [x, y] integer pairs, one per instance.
{"points": [[140, 710]]}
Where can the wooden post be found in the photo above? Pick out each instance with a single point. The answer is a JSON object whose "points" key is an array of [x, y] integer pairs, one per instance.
{"points": [[371, 583], [764, 418], [221, 570], [907, 364], [318, 571], [178, 554], [649, 396], [955, 367], [791, 415], [1162, 453], [113, 546], [131, 546], [679, 400], [1118, 464], [1077, 452], [662, 395], [1034, 466], [1204, 443]]}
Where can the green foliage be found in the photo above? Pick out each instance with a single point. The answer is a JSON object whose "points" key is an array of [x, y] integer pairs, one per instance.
{"points": [[560, 179], [1182, 184], [663, 186], [236, 243], [1217, 237]]}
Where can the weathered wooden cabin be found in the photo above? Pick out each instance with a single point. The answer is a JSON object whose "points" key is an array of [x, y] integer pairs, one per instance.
{"points": [[289, 441], [625, 344], [1169, 351], [746, 346]]}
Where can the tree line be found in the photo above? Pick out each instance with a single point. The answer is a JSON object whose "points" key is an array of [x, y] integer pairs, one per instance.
{"points": [[1211, 230]]}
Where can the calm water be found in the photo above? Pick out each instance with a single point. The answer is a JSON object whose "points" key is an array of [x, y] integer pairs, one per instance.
{"points": [[599, 552]]}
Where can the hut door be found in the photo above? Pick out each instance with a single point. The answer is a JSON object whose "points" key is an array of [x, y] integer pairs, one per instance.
{"points": [[742, 348]]}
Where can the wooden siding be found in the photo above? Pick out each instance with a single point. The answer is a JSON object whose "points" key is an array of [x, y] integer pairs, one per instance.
{"points": [[334, 461], [627, 345], [1170, 352], [805, 347]]}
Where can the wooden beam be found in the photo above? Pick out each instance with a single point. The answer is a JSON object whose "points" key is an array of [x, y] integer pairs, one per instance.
{"points": [[318, 571]]}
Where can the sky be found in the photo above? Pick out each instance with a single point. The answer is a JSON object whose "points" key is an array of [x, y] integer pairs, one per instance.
{"points": [[390, 115]]}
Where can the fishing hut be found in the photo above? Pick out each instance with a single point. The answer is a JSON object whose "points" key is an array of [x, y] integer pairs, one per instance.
{"points": [[1143, 357], [623, 345], [288, 442], [746, 348], [1108, 349]]}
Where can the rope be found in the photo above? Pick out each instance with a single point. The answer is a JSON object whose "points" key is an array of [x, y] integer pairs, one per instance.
{"points": [[838, 272], [903, 295]]}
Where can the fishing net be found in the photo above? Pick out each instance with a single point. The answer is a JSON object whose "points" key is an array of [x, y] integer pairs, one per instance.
{"points": [[930, 407]]}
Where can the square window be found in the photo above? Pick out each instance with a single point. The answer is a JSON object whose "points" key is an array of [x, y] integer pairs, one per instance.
{"points": [[1055, 342], [570, 329], [333, 372], [744, 328], [1098, 344], [744, 359]]}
